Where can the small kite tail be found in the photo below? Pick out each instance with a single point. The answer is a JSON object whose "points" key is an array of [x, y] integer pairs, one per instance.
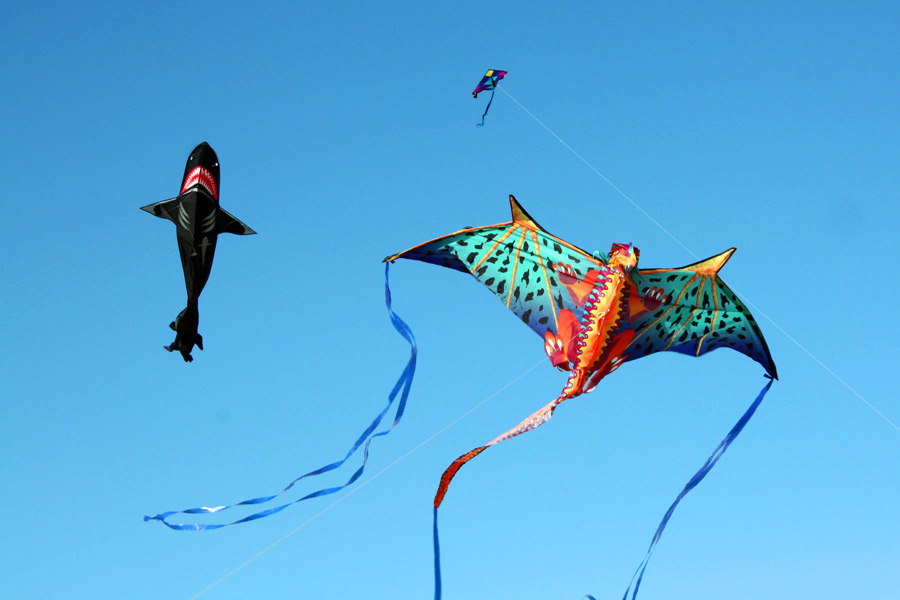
{"points": [[487, 108]]}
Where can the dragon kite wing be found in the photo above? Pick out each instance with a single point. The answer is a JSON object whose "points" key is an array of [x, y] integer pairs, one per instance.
{"points": [[541, 279], [517, 261], [691, 311]]}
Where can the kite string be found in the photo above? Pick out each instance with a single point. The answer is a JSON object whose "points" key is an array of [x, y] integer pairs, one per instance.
{"points": [[371, 479], [689, 251], [602, 176], [758, 310]]}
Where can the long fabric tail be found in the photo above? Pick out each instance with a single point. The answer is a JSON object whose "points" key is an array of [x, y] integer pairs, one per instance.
{"points": [[696, 479], [487, 108], [402, 387], [532, 422]]}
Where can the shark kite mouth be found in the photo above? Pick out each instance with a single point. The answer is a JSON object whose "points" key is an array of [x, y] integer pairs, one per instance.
{"points": [[201, 176]]}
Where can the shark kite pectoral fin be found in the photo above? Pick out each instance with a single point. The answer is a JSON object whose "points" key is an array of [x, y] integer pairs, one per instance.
{"points": [[228, 223], [164, 209], [199, 341]]}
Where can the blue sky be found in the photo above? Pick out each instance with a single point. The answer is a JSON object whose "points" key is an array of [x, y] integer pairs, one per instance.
{"points": [[346, 133]]}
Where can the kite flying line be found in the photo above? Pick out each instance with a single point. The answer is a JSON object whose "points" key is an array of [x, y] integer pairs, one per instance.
{"points": [[815, 358], [689, 251], [370, 479], [602, 176]]}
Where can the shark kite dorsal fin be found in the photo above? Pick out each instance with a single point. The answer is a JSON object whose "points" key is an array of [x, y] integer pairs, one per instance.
{"points": [[711, 264], [521, 216]]}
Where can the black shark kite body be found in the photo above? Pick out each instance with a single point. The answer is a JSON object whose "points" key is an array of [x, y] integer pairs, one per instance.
{"points": [[198, 221]]}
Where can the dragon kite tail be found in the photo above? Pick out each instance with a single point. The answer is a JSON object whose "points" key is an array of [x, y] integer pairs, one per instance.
{"points": [[450, 473], [534, 421]]}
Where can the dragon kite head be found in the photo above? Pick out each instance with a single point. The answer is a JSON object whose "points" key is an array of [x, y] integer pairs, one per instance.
{"points": [[625, 256]]}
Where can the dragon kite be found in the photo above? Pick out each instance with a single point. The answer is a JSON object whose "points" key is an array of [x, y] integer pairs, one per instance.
{"points": [[595, 313]]}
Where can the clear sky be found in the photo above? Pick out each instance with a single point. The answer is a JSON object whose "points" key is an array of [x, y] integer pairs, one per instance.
{"points": [[346, 132]]}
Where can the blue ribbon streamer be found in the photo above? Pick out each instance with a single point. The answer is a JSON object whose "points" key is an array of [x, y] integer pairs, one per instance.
{"points": [[487, 108], [696, 479], [404, 383], [437, 560]]}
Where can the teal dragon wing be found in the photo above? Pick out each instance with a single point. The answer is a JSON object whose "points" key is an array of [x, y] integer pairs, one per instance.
{"points": [[690, 310], [517, 261]]}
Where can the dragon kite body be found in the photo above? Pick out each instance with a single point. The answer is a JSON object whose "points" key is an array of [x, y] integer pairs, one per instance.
{"points": [[594, 313]]}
